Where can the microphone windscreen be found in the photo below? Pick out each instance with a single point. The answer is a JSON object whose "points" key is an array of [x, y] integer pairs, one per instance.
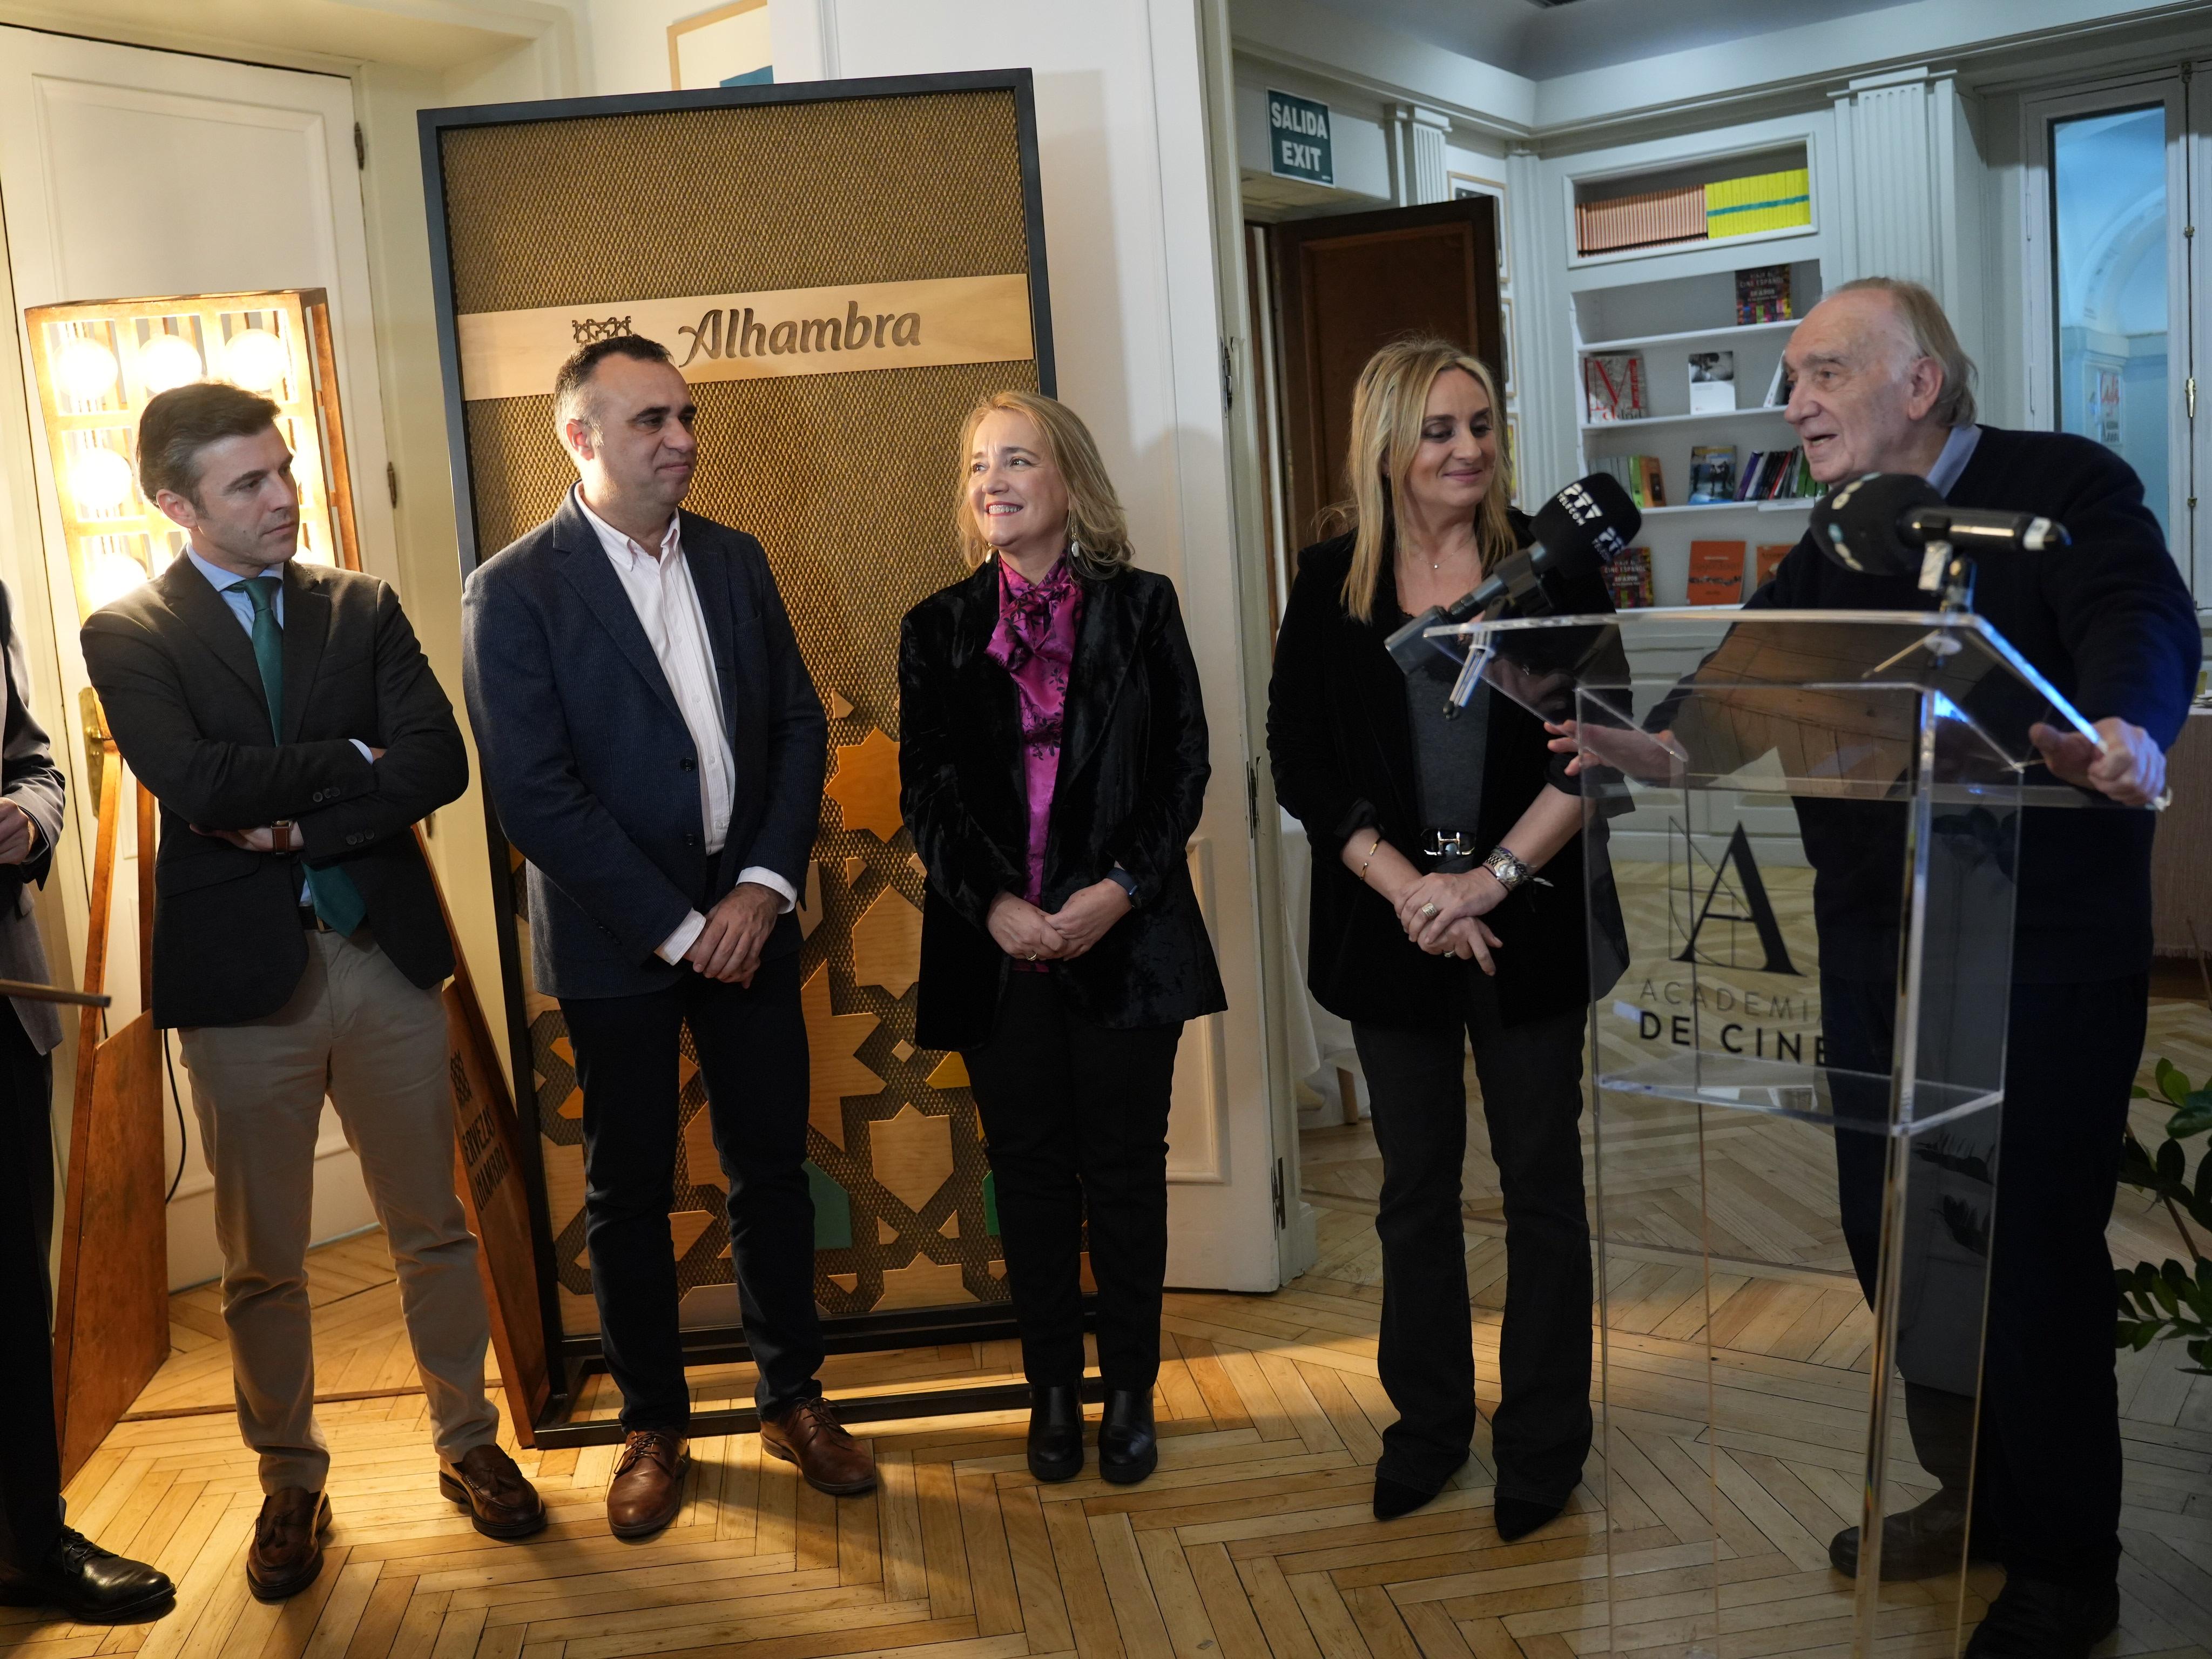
{"points": [[1857, 526], [1594, 514]]}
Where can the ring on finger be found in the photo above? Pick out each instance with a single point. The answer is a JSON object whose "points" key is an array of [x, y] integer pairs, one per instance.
{"points": [[1428, 909]]}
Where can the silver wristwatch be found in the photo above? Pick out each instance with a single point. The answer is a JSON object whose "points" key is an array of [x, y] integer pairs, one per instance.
{"points": [[1509, 870]]}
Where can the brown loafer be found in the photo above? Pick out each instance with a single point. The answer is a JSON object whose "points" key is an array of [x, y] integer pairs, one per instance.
{"points": [[500, 1502], [809, 1436], [288, 1543], [648, 1489]]}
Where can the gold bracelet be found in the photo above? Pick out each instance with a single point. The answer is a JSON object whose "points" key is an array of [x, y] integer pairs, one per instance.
{"points": [[1370, 859]]}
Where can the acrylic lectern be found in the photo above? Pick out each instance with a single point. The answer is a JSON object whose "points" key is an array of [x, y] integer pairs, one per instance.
{"points": [[1802, 829]]}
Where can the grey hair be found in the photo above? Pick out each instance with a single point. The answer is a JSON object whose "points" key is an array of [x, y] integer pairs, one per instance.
{"points": [[1932, 336]]}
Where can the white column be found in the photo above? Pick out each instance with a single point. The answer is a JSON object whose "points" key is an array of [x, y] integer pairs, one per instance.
{"points": [[1417, 154], [1897, 187]]}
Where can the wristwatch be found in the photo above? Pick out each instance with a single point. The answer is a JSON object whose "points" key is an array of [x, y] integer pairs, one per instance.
{"points": [[1122, 879], [1510, 871]]}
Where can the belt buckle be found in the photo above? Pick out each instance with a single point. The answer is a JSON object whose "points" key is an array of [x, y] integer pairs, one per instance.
{"points": [[1457, 844]]}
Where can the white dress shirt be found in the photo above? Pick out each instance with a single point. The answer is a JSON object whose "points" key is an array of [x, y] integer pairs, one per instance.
{"points": [[658, 584]]}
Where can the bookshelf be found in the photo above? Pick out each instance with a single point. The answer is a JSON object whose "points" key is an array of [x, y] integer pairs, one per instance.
{"points": [[1686, 304]]}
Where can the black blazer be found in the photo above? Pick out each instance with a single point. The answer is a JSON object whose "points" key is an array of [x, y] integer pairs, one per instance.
{"points": [[176, 675], [2110, 623], [1133, 771], [30, 779], [592, 768], [1341, 743]]}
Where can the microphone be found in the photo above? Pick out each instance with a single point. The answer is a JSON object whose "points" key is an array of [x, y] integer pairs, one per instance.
{"points": [[1880, 522], [1575, 530]]}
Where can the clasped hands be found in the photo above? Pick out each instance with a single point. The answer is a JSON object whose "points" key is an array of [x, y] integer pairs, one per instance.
{"points": [[1442, 912], [729, 946], [1028, 934]]}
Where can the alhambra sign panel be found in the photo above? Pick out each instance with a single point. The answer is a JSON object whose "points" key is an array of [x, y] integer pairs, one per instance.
{"points": [[840, 329]]}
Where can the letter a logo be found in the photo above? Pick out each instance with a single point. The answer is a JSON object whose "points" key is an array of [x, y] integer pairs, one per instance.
{"points": [[1750, 892]]}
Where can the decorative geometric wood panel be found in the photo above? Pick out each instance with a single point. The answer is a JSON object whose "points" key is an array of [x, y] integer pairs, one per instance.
{"points": [[850, 552]]}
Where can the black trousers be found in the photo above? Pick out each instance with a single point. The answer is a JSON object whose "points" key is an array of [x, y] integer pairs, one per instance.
{"points": [[1532, 1100], [1077, 1117], [2047, 1472], [30, 1467], [751, 1046]]}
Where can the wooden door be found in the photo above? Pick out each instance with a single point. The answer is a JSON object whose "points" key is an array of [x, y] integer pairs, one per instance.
{"points": [[1345, 286]]}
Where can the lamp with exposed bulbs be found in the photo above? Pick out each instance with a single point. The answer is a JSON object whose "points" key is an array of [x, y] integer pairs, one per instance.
{"points": [[98, 364]]}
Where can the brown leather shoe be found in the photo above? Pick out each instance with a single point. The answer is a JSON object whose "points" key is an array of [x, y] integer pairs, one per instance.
{"points": [[288, 1543], [830, 1459], [500, 1502], [648, 1489]]}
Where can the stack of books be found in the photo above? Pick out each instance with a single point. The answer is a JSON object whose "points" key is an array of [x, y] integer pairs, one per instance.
{"points": [[1776, 475], [1679, 215], [1766, 200], [1638, 475]]}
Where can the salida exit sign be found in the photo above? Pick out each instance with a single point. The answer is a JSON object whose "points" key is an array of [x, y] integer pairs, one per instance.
{"points": [[1297, 129]]}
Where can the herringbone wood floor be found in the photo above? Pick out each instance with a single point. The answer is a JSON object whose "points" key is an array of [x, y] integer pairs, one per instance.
{"points": [[1254, 1538]]}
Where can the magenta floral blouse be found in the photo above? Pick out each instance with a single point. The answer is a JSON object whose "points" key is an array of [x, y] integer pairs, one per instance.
{"points": [[1034, 642]]}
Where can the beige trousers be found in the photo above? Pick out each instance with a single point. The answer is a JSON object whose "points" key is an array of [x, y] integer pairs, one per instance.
{"points": [[357, 1030]]}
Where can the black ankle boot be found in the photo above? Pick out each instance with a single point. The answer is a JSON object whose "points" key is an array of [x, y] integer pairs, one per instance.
{"points": [[1056, 1433], [1127, 1449]]}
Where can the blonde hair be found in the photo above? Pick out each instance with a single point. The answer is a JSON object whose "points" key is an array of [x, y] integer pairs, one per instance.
{"points": [[1932, 336], [1387, 408], [1097, 531]]}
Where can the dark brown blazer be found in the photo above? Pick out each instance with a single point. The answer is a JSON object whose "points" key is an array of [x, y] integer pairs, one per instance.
{"points": [[176, 675]]}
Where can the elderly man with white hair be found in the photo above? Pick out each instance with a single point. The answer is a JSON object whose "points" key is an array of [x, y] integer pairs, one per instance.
{"points": [[1881, 385]]}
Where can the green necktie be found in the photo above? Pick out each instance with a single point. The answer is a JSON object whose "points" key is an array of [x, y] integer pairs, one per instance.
{"points": [[338, 901]]}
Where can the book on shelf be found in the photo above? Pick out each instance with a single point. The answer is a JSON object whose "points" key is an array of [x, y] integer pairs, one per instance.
{"points": [[1678, 214], [1770, 554], [1613, 387], [1639, 475], [1712, 382], [1628, 574], [1778, 388], [1762, 295], [1762, 201], [1774, 474], [1716, 573], [1712, 474]]}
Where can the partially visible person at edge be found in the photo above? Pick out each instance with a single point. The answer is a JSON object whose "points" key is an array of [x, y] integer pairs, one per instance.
{"points": [[289, 725], [1431, 931], [43, 1561], [1052, 761], [1881, 384]]}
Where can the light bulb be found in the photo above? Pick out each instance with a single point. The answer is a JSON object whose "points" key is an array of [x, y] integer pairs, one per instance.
{"points": [[168, 360], [112, 576], [86, 369], [256, 359], [98, 480]]}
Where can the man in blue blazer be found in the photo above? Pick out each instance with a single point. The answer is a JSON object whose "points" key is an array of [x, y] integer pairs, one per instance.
{"points": [[656, 749]]}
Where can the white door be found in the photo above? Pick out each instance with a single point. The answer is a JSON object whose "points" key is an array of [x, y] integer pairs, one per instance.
{"points": [[126, 172]]}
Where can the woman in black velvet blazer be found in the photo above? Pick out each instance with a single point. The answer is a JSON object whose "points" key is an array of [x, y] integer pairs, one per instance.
{"points": [[1052, 762], [1432, 928]]}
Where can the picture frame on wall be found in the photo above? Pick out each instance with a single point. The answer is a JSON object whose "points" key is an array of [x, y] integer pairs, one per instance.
{"points": [[728, 46], [1464, 185]]}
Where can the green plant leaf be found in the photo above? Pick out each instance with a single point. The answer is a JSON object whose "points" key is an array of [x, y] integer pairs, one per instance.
{"points": [[2193, 1119], [2172, 1163], [2138, 1092], [2173, 1082]]}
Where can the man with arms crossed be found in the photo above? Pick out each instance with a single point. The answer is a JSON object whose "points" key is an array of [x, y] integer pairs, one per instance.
{"points": [[285, 719], [42, 1562], [656, 749], [1881, 385]]}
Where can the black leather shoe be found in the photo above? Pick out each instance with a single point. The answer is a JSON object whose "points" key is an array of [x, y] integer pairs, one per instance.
{"points": [[1393, 1498], [1128, 1450], [1056, 1433], [92, 1585], [1924, 1541], [2034, 1619]]}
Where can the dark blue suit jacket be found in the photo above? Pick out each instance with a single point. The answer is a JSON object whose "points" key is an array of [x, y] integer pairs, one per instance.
{"points": [[590, 767]]}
